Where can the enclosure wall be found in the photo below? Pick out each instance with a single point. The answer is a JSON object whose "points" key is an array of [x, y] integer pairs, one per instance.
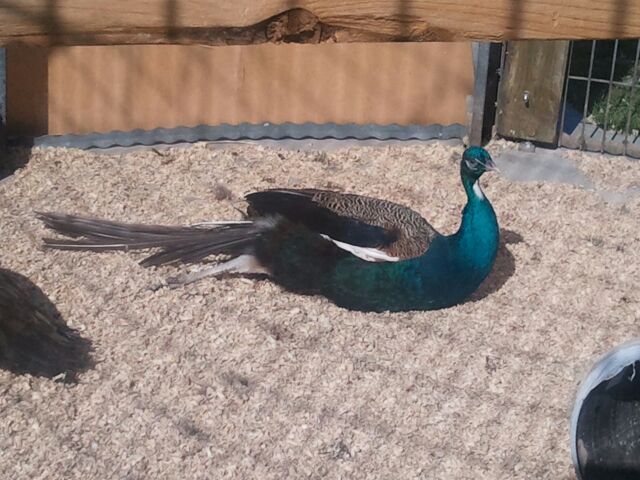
{"points": [[126, 87]]}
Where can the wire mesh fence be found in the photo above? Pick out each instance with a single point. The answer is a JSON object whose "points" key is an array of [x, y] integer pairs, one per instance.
{"points": [[601, 106]]}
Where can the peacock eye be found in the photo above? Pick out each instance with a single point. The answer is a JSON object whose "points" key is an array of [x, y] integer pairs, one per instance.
{"points": [[471, 164]]}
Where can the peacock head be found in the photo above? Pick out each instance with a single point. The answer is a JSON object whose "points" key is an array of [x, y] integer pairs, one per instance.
{"points": [[476, 161]]}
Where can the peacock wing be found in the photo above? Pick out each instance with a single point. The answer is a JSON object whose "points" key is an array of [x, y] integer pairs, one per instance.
{"points": [[353, 222]]}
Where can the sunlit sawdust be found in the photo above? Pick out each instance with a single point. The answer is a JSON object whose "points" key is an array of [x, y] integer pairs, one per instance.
{"points": [[235, 378]]}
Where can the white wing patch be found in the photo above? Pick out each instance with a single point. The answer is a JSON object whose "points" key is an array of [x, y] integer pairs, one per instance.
{"points": [[241, 264], [365, 253], [217, 224]]}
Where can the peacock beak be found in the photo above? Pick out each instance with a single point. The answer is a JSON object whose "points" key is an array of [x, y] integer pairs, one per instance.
{"points": [[491, 167]]}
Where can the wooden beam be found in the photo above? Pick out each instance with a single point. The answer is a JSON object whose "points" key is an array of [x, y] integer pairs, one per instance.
{"points": [[225, 22]]}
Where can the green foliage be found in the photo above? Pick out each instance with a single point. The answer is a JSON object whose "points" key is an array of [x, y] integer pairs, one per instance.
{"points": [[622, 101]]}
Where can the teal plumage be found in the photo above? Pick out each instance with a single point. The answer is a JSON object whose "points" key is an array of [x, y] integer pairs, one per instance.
{"points": [[450, 270], [362, 253]]}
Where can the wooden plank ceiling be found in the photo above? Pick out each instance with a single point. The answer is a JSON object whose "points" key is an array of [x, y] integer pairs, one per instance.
{"points": [[224, 22]]}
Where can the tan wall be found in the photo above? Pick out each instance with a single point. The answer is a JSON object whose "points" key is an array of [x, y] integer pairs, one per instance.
{"points": [[126, 87]]}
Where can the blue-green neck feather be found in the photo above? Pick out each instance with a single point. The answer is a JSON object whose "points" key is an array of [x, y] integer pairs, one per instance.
{"points": [[450, 270], [478, 237]]}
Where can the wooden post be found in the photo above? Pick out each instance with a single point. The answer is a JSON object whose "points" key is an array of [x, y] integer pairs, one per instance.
{"points": [[3, 101], [486, 66], [530, 93], [27, 106]]}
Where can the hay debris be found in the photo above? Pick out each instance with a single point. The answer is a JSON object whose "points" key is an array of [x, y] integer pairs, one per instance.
{"points": [[239, 379]]}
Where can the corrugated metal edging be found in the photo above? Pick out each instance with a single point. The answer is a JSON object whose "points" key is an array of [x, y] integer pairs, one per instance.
{"points": [[246, 131]]}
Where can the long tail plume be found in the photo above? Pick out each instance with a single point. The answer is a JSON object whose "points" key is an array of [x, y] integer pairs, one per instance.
{"points": [[177, 244]]}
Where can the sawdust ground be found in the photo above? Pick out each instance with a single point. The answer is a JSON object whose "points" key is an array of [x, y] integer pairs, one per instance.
{"points": [[236, 378]]}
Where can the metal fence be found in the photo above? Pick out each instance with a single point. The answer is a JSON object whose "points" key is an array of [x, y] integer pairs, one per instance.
{"points": [[601, 106]]}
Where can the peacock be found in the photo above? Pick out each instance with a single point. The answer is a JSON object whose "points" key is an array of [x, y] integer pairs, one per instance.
{"points": [[34, 338], [362, 253]]}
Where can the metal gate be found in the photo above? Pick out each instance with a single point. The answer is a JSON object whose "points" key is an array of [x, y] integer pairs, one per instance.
{"points": [[601, 105]]}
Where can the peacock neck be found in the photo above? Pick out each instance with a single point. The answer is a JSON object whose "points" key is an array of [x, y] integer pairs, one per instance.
{"points": [[478, 236]]}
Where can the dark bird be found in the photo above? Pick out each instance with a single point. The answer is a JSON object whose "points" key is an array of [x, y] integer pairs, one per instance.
{"points": [[605, 422], [360, 252], [33, 337]]}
